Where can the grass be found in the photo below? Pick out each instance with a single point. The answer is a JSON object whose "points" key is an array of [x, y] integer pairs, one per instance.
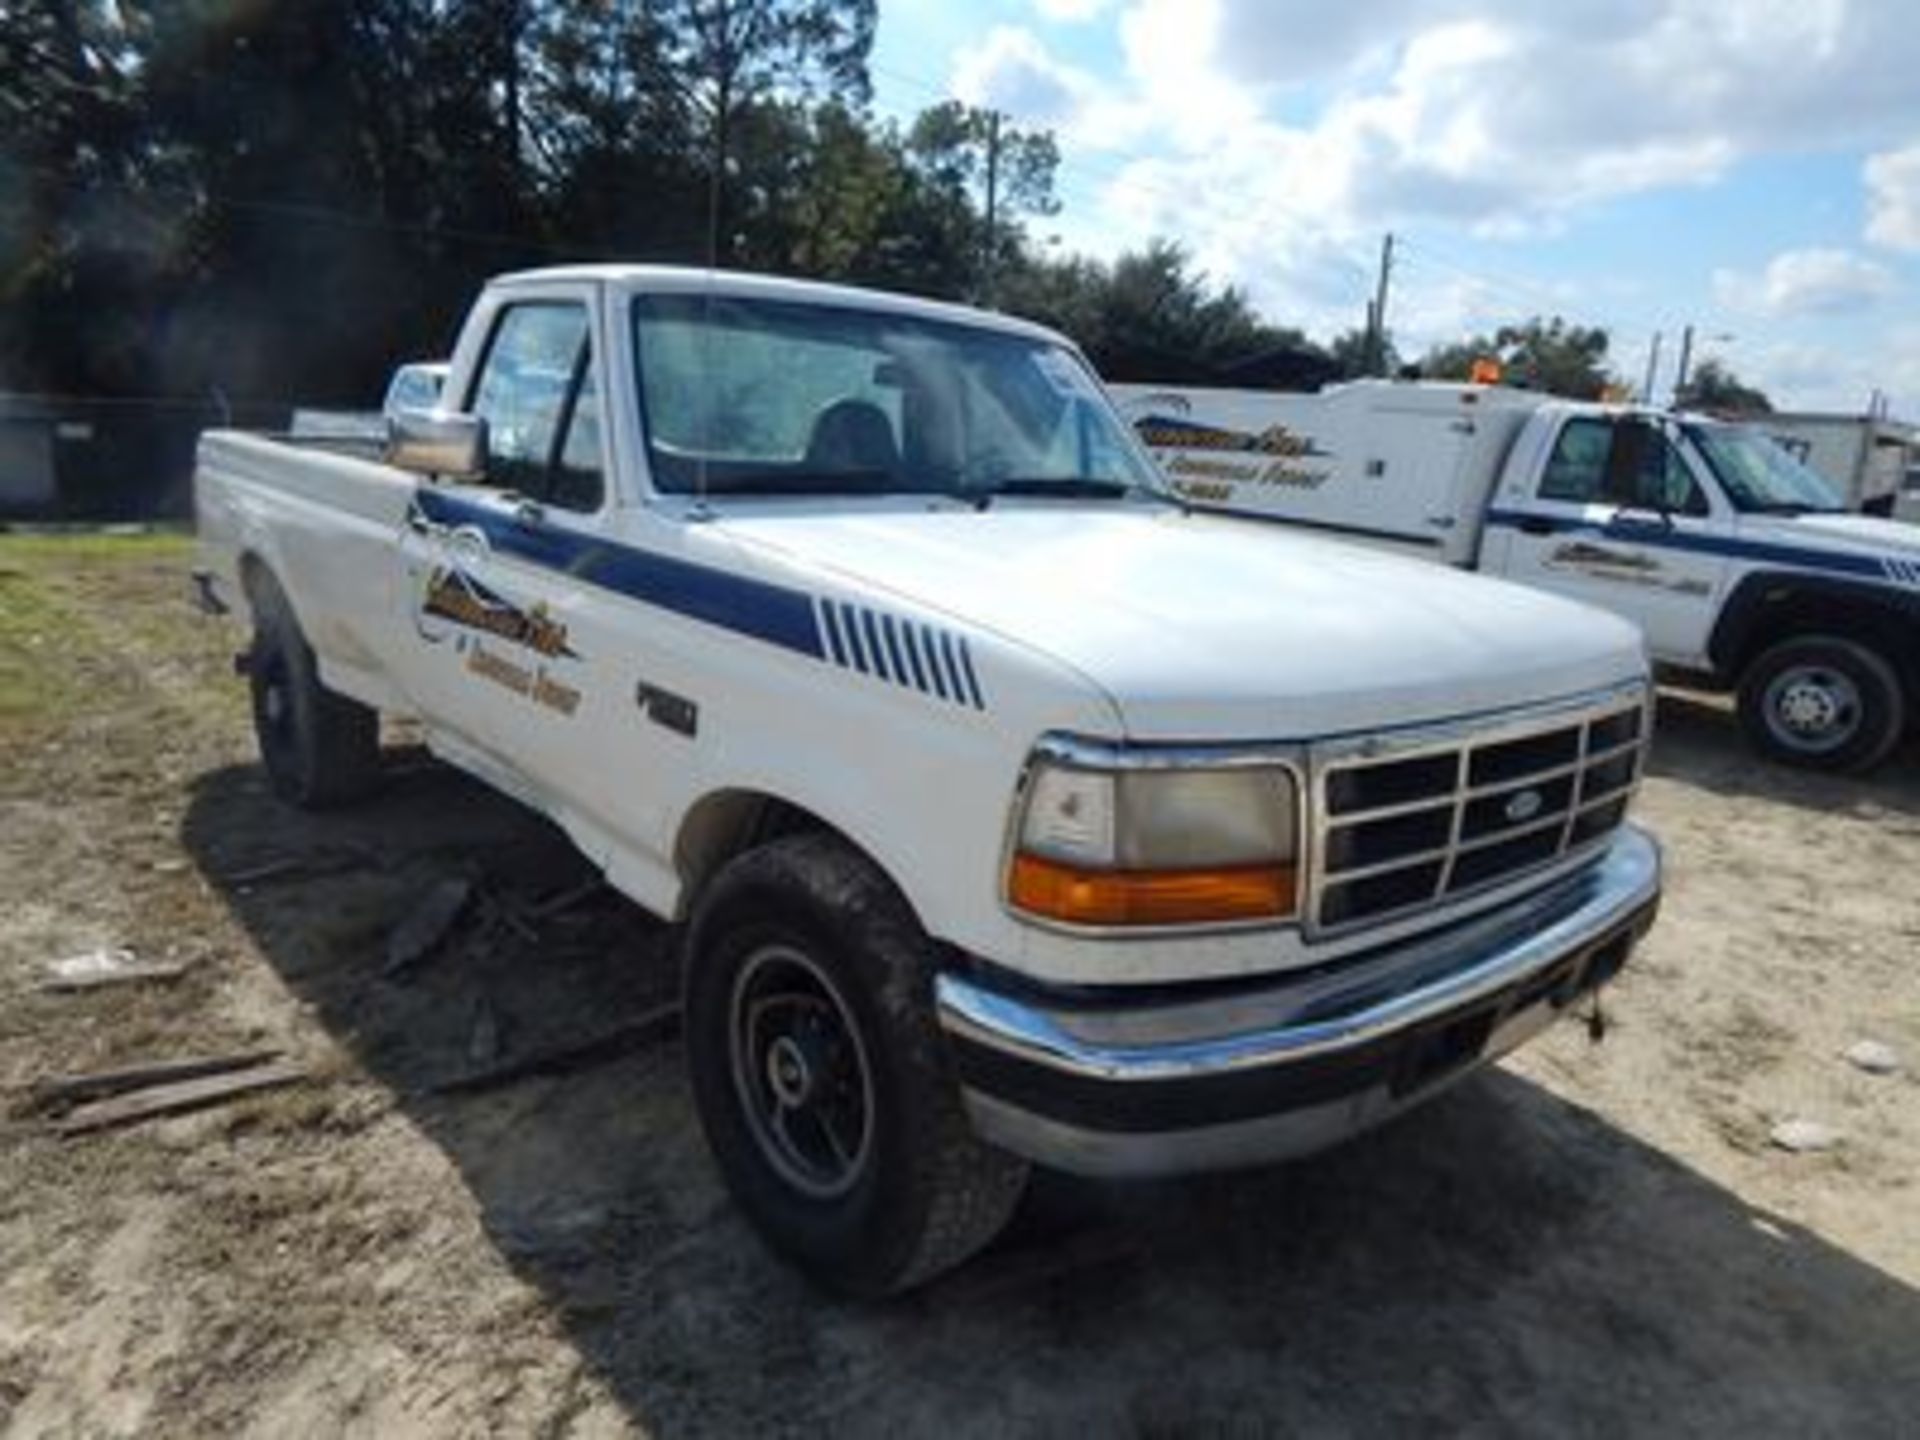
{"points": [[71, 601]]}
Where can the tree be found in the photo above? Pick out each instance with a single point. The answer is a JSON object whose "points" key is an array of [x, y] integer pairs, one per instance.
{"points": [[1352, 352], [729, 56], [1549, 355], [1714, 387], [1147, 317]]}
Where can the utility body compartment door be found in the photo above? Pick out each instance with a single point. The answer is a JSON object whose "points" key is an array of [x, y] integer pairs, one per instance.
{"points": [[1618, 516]]}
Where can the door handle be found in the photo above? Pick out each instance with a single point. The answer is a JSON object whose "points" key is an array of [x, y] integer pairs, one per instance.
{"points": [[529, 514], [1535, 525]]}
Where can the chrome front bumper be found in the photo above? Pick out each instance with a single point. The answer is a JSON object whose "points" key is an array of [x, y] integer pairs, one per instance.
{"points": [[1106, 1083]]}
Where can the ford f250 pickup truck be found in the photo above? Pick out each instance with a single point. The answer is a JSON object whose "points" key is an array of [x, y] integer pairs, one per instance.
{"points": [[1014, 811]]}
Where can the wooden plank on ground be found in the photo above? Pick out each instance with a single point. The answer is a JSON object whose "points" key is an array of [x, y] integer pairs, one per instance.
{"points": [[179, 1097], [71, 1089]]}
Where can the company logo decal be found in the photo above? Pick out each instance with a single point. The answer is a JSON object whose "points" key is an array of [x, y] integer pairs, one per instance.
{"points": [[1166, 432], [453, 603], [453, 595], [1273, 456]]}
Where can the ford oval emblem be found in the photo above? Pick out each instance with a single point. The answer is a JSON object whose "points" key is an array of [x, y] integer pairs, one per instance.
{"points": [[1524, 805]]}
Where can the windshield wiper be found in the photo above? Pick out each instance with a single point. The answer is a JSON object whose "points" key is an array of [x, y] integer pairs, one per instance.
{"points": [[1795, 507], [1067, 487]]}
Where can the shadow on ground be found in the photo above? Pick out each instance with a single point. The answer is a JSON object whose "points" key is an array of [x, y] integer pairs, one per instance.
{"points": [[1698, 740], [1505, 1260]]}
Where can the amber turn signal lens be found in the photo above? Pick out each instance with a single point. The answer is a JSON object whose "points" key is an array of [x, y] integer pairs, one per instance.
{"points": [[1055, 891]]}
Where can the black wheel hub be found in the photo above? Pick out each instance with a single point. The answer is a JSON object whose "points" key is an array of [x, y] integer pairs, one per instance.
{"points": [[801, 1073]]}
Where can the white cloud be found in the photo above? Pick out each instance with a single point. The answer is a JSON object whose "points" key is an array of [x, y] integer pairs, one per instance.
{"points": [[1012, 70], [1069, 11], [1797, 375], [1510, 116], [1814, 281], [1893, 198], [1277, 138]]}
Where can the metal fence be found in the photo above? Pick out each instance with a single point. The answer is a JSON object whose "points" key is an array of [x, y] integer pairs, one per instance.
{"points": [[64, 458]]}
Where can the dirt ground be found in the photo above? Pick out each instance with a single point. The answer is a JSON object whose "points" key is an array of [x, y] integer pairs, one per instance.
{"points": [[1589, 1240]]}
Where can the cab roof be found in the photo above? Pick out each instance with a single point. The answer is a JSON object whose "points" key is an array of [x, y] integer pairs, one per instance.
{"points": [[747, 285]]}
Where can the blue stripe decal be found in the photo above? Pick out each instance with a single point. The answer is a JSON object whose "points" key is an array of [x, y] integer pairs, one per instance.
{"points": [[923, 637], [843, 618], [885, 647], [973, 680], [893, 650], [756, 608], [1761, 550], [870, 627], [827, 624]]}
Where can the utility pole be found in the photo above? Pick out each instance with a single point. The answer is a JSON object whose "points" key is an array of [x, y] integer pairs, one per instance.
{"points": [[1686, 362], [993, 198], [1377, 316], [1653, 370]]}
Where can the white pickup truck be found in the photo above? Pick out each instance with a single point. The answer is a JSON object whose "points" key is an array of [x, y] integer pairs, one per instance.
{"points": [[1737, 561], [1015, 812]]}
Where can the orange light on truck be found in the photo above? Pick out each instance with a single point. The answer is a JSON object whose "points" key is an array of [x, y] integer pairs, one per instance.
{"points": [[1056, 891]]}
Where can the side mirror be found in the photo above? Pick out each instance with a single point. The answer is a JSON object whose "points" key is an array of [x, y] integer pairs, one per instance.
{"points": [[438, 442]]}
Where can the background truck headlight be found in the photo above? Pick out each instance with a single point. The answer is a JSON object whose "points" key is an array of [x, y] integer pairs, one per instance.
{"points": [[1161, 846]]}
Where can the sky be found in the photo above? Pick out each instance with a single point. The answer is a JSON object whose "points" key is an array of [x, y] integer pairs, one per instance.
{"points": [[1747, 167]]}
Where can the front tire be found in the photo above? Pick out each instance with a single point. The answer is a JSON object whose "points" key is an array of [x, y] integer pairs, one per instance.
{"points": [[1823, 703], [320, 749], [820, 1075]]}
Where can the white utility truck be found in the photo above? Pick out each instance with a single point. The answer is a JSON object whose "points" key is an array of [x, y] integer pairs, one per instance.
{"points": [[1014, 810], [1736, 561], [1864, 458]]}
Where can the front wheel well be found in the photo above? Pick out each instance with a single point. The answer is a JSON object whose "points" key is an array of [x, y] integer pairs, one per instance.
{"points": [[729, 823], [1768, 611]]}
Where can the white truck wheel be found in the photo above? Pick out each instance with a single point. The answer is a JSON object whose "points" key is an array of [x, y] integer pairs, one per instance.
{"points": [[320, 749], [1823, 703], [821, 1078]]}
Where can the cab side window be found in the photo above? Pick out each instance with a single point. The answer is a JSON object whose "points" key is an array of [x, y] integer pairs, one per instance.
{"points": [[1585, 470], [1664, 482], [1577, 469], [537, 392]]}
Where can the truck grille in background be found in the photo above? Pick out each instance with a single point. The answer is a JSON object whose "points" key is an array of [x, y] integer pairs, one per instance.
{"points": [[1433, 821]]}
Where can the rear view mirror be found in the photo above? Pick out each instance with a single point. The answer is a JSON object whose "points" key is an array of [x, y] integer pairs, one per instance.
{"points": [[438, 442]]}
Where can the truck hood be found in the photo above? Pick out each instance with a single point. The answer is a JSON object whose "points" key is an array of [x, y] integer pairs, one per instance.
{"points": [[1203, 627]]}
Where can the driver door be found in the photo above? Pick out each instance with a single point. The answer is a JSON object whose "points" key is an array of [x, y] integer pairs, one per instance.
{"points": [[1619, 520], [497, 663]]}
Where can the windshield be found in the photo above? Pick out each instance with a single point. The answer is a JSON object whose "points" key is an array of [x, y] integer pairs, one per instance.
{"points": [[761, 397], [1758, 475]]}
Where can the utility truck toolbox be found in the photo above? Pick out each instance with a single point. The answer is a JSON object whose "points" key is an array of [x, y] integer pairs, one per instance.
{"points": [[1738, 562], [1014, 811]]}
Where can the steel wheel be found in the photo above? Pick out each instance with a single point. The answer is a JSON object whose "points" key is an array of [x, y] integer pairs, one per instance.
{"points": [[801, 1072], [1813, 709]]}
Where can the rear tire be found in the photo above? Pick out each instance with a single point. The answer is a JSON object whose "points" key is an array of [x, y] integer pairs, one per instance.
{"points": [[1823, 703], [320, 749], [821, 1077]]}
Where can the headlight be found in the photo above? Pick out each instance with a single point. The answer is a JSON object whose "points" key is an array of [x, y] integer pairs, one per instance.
{"points": [[1164, 846]]}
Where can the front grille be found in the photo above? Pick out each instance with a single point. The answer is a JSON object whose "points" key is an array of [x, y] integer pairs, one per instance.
{"points": [[1439, 817]]}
